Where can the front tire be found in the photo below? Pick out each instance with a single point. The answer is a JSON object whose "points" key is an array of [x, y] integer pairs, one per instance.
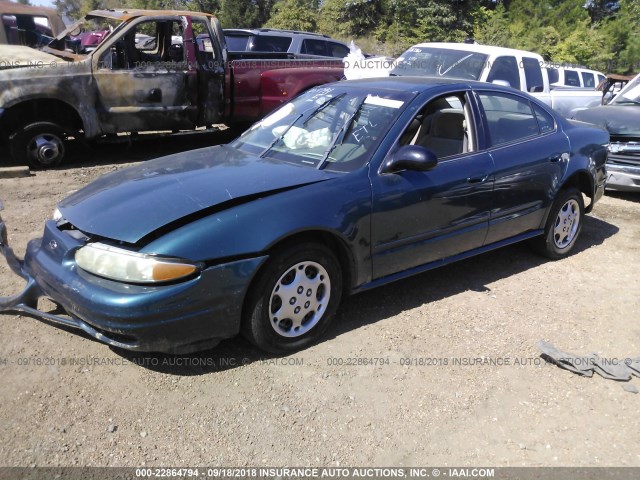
{"points": [[39, 145], [563, 225], [293, 299]]}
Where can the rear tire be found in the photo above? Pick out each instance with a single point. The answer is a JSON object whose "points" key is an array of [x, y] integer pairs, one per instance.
{"points": [[293, 299], [563, 225], [39, 145]]}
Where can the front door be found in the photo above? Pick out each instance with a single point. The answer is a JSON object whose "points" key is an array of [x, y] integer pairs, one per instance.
{"points": [[422, 217], [144, 79]]}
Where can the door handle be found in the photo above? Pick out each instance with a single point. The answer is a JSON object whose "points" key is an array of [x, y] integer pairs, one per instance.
{"points": [[476, 180], [556, 157], [155, 95]]}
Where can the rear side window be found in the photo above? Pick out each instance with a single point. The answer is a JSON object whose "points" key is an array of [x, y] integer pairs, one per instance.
{"points": [[29, 30], [601, 79], [533, 74], [237, 43], [270, 43], [509, 118], [554, 76], [571, 78], [588, 80], [505, 69], [314, 47], [545, 120], [337, 50]]}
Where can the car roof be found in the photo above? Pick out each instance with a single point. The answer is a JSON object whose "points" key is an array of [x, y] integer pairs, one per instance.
{"points": [[129, 13], [257, 31], [579, 69], [478, 48], [420, 83]]}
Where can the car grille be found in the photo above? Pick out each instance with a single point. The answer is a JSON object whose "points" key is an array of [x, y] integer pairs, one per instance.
{"points": [[624, 152]]}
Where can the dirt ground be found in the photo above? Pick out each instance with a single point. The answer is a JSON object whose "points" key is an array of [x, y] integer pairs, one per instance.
{"points": [[67, 400]]}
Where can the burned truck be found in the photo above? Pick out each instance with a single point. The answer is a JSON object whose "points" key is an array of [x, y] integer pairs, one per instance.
{"points": [[151, 71]]}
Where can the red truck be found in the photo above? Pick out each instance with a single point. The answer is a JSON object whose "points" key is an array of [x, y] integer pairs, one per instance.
{"points": [[154, 70]]}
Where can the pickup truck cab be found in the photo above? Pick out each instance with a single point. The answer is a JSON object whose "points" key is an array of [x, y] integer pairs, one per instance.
{"points": [[518, 69], [122, 85], [574, 77], [292, 41]]}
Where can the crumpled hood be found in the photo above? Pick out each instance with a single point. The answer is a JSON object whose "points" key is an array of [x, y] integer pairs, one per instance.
{"points": [[617, 119], [19, 56], [132, 203]]}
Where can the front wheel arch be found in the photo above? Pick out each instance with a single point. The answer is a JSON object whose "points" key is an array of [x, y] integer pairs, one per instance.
{"points": [[304, 281]]}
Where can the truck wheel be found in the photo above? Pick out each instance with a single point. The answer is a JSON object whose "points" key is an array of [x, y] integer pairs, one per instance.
{"points": [[39, 145], [563, 225], [293, 299]]}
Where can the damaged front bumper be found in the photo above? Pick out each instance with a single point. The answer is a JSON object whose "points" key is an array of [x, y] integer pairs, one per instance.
{"points": [[176, 318]]}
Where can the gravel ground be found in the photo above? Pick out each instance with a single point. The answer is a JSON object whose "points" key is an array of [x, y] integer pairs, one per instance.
{"points": [[70, 401]]}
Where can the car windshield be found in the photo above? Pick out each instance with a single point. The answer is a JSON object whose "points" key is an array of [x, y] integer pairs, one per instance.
{"points": [[440, 62], [328, 128], [630, 94]]}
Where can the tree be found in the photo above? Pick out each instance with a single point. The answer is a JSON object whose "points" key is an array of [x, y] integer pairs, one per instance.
{"points": [[294, 15], [245, 13], [623, 37], [601, 9], [349, 18], [69, 8], [585, 46], [206, 6]]}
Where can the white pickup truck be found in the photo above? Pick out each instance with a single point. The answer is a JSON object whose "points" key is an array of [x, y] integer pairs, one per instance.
{"points": [[519, 69]]}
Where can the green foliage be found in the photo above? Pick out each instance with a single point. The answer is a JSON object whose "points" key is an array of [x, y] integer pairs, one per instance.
{"points": [[294, 15], [623, 36], [584, 46], [349, 18], [491, 27], [206, 6], [69, 8], [245, 13]]}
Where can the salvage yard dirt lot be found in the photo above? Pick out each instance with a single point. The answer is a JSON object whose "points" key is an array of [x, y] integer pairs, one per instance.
{"points": [[475, 394]]}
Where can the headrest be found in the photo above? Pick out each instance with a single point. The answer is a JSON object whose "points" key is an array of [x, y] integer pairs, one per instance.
{"points": [[448, 124]]}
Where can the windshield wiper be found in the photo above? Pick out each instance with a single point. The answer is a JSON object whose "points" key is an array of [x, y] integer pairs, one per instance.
{"points": [[340, 134], [309, 113], [279, 137], [632, 102]]}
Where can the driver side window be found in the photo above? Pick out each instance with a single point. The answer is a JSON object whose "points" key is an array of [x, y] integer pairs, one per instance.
{"points": [[152, 44], [443, 127]]}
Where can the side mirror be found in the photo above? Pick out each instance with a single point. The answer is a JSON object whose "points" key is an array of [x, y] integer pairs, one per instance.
{"points": [[411, 157]]}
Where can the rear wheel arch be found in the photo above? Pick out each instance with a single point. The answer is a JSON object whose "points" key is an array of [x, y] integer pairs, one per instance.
{"points": [[583, 182]]}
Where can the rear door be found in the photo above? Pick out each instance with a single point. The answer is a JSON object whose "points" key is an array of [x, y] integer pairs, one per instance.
{"points": [[529, 155]]}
